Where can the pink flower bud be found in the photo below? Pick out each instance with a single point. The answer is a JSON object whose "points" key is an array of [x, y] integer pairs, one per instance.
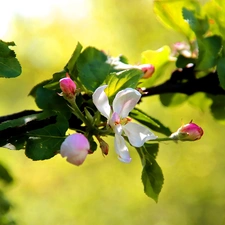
{"points": [[188, 132], [148, 70], [75, 147], [68, 87]]}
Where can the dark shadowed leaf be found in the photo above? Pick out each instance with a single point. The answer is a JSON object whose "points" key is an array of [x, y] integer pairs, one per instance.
{"points": [[9, 65], [44, 143], [221, 71]]}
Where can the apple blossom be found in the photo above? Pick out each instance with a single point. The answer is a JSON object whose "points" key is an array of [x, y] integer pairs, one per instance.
{"points": [[75, 147], [123, 103], [188, 132]]}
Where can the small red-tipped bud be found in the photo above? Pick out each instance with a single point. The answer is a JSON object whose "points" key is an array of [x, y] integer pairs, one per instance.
{"points": [[104, 147], [148, 70], [75, 147], [68, 87], [188, 132]]}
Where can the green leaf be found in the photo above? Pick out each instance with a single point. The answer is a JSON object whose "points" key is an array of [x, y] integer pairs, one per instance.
{"points": [[152, 176], [152, 179], [209, 49], [71, 64], [151, 150], [49, 99], [149, 121], [198, 25], [15, 142], [119, 81], [160, 58], [45, 143], [171, 99], [9, 65], [92, 68], [170, 14], [221, 71]]}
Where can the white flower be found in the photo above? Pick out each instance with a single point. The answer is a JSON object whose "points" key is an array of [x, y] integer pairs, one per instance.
{"points": [[123, 103], [75, 147]]}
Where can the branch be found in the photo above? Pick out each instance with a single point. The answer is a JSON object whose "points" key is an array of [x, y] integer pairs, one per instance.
{"points": [[184, 81]]}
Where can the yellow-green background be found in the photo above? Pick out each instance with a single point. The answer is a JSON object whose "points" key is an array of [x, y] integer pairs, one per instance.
{"points": [[104, 191]]}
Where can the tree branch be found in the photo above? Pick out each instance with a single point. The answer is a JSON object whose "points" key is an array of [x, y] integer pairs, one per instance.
{"points": [[184, 81]]}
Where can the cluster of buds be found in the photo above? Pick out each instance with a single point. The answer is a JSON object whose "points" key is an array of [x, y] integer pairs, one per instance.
{"points": [[76, 147], [188, 132]]}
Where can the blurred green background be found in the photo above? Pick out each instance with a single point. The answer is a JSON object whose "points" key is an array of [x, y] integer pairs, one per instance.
{"points": [[104, 190]]}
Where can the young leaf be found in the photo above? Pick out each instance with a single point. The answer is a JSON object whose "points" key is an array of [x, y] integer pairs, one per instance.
{"points": [[160, 59], [119, 81], [170, 14], [9, 65], [92, 68], [215, 10], [149, 121], [209, 49], [44, 143], [221, 71]]}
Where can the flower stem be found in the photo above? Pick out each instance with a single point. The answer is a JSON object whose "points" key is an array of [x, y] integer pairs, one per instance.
{"points": [[163, 139], [76, 111]]}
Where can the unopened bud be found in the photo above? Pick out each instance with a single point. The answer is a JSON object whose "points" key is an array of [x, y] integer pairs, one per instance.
{"points": [[75, 147], [148, 70], [68, 87], [104, 147], [188, 132]]}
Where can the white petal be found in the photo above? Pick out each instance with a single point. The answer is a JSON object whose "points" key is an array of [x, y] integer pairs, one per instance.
{"points": [[121, 149], [101, 101], [125, 101], [78, 159], [138, 134]]}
